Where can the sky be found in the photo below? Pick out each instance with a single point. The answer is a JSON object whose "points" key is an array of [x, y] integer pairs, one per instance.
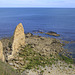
{"points": [[38, 3]]}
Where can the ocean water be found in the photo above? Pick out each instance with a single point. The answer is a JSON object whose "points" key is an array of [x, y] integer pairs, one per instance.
{"points": [[60, 20]]}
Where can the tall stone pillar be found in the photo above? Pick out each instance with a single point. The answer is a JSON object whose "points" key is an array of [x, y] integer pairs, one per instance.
{"points": [[18, 38]]}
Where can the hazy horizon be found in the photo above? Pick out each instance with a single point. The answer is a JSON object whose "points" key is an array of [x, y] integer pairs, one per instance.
{"points": [[37, 4], [41, 7]]}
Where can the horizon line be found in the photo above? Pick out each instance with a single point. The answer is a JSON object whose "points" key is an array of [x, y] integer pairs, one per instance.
{"points": [[37, 7]]}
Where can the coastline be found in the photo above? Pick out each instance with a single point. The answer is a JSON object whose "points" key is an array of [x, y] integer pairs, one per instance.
{"points": [[50, 46], [47, 50], [40, 33]]}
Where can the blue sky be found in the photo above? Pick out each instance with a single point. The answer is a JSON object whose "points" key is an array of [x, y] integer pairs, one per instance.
{"points": [[38, 3]]}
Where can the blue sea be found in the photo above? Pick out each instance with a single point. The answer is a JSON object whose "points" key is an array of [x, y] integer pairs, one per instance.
{"points": [[60, 20]]}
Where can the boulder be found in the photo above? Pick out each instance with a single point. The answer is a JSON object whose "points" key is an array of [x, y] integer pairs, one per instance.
{"points": [[1, 52], [18, 38], [29, 35]]}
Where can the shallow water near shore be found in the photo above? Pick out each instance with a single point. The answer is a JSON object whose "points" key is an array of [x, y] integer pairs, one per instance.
{"points": [[58, 20]]}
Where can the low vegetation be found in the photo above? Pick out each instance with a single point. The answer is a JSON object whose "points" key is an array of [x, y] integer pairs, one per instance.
{"points": [[5, 69], [66, 59], [34, 59]]}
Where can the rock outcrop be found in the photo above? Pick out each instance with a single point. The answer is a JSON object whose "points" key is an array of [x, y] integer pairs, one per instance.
{"points": [[44, 45], [1, 52], [52, 33], [18, 38], [28, 35]]}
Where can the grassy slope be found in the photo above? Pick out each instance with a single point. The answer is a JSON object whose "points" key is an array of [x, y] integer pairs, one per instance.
{"points": [[5, 69], [35, 59]]}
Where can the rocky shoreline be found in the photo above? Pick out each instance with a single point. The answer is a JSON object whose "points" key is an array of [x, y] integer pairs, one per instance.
{"points": [[45, 46], [51, 33], [37, 55]]}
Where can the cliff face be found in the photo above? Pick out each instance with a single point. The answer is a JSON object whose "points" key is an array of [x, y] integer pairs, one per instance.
{"points": [[18, 39], [1, 52]]}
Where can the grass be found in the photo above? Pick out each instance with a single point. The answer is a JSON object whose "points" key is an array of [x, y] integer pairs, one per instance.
{"points": [[70, 66], [42, 71], [5, 69], [66, 59], [35, 59]]}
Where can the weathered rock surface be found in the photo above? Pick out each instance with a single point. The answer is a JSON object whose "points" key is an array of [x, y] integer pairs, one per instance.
{"points": [[28, 35], [1, 52], [18, 39], [45, 45], [53, 33], [12, 45], [53, 70]]}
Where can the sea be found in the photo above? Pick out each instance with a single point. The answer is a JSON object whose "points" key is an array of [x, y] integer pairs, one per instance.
{"points": [[59, 20]]}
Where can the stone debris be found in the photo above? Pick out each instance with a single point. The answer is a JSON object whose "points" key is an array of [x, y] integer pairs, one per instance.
{"points": [[53, 70]]}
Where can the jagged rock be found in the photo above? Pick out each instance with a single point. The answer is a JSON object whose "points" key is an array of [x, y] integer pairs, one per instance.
{"points": [[17, 62], [11, 64], [20, 58], [1, 52], [22, 62], [52, 33], [29, 35], [16, 65], [19, 38]]}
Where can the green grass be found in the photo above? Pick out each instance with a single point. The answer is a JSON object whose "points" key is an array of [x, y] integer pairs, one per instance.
{"points": [[5, 69], [42, 71], [35, 59], [66, 59], [70, 66]]}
